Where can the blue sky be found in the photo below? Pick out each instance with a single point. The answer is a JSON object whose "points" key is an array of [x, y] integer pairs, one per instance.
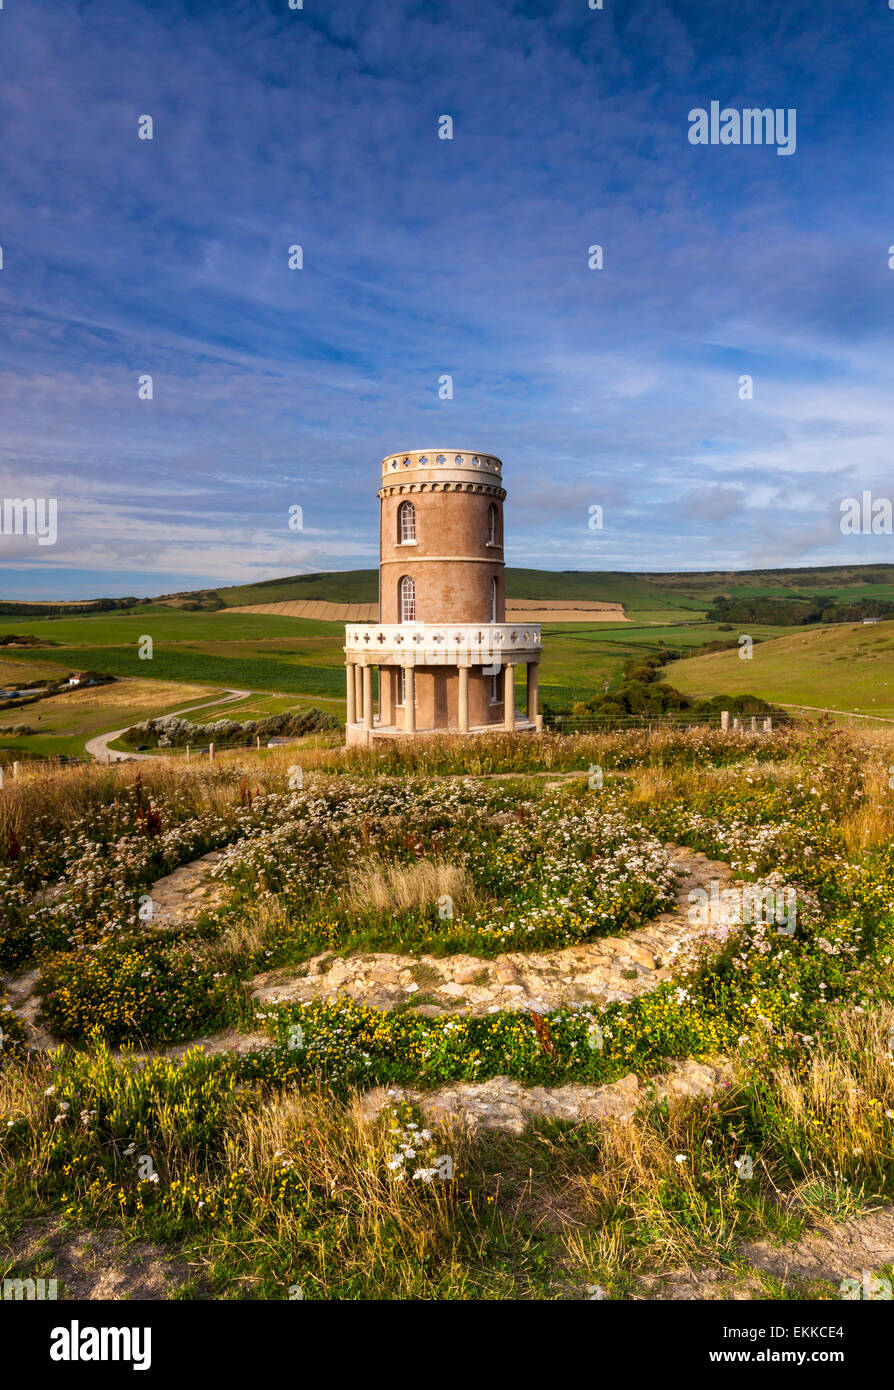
{"points": [[319, 127]]}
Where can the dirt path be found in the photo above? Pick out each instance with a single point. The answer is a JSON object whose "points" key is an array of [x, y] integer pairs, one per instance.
{"points": [[98, 1264], [99, 749], [858, 1249], [187, 892], [845, 713], [25, 1004]]}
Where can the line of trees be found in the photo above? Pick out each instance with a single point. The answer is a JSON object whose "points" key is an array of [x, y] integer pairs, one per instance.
{"points": [[795, 612], [12, 609], [641, 692]]}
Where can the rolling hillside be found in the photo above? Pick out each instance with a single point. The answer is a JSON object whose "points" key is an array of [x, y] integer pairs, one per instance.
{"points": [[848, 667], [663, 597], [685, 593], [296, 658]]}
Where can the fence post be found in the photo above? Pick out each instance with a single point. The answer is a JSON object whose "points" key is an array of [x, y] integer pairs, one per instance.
{"points": [[187, 752], [753, 724], [211, 752], [724, 721], [15, 770], [768, 726]]}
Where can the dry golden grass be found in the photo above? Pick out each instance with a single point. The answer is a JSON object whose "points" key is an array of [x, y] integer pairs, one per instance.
{"points": [[378, 885], [336, 1150], [18, 675], [48, 796], [840, 1103], [819, 1124], [871, 823], [256, 928], [123, 695], [338, 1159]]}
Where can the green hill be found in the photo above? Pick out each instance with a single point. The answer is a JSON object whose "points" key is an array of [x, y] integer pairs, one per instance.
{"points": [[685, 593], [344, 586], [665, 596], [848, 668], [635, 591]]}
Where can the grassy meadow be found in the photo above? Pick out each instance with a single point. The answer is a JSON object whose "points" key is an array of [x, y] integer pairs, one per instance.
{"points": [[263, 1171], [847, 667], [297, 663]]}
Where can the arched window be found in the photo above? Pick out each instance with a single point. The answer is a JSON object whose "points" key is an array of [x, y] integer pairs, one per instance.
{"points": [[406, 522], [492, 524], [406, 593], [493, 599]]}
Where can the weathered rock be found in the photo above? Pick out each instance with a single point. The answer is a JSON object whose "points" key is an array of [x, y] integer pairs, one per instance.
{"points": [[382, 974], [504, 970], [611, 969], [502, 1103], [185, 894]]}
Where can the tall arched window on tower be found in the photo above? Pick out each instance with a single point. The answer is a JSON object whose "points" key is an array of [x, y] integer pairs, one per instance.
{"points": [[406, 593], [492, 524], [493, 599], [406, 522]]}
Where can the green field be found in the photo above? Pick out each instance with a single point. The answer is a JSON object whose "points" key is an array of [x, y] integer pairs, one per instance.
{"points": [[847, 667], [303, 658], [348, 586], [165, 624], [66, 721], [833, 581], [580, 659], [296, 662], [250, 670]]}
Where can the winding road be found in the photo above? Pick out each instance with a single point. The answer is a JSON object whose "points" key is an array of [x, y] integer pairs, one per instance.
{"points": [[99, 749]]}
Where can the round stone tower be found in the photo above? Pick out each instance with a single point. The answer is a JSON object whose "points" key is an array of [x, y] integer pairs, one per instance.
{"points": [[445, 654]]}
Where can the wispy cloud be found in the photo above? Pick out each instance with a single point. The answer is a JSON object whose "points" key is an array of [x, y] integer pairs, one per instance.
{"points": [[318, 127]]}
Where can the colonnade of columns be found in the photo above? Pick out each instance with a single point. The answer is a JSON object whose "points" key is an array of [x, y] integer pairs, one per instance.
{"points": [[360, 695]]}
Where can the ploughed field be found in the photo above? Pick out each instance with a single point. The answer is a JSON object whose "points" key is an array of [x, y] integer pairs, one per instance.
{"points": [[512, 1018]]}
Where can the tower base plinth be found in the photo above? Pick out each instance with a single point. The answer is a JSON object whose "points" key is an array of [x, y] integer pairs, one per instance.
{"points": [[356, 736]]}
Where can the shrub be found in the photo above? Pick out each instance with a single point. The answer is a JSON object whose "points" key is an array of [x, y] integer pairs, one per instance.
{"points": [[148, 988], [172, 731]]}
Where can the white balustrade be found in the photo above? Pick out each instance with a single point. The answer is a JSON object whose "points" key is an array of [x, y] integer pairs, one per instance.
{"points": [[442, 644]]}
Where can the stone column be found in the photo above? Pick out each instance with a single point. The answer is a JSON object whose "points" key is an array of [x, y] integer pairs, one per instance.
{"points": [[509, 697], [410, 702], [533, 668], [464, 699], [352, 695], [386, 695], [367, 697], [358, 692]]}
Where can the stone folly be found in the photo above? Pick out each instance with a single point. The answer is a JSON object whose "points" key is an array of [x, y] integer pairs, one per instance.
{"points": [[447, 660]]}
